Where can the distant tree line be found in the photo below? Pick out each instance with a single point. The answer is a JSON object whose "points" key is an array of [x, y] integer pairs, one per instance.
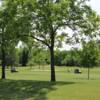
{"points": [[89, 55]]}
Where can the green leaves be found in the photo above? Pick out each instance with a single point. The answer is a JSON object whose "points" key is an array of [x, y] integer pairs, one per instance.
{"points": [[90, 54]]}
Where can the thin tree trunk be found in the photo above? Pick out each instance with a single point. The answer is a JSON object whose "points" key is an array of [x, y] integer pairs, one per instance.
{"points": [[88, 73], [3, 55], [53, 79], [3, 64]]}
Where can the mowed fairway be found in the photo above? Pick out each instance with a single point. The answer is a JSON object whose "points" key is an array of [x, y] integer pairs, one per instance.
{"points": [[34, 84]]}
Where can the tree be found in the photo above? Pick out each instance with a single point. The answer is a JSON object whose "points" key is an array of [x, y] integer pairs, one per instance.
{"points": [[24, 56], [89, 55], [98, 45], [39, 56], [42, 19], [7, 33], [11, 58], [72, 58]]}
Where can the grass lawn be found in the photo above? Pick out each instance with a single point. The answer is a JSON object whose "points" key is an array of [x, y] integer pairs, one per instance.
{"points": [[34, 84]]}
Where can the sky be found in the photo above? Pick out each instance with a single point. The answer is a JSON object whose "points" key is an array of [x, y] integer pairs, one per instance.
{"points": [[95, 4]]}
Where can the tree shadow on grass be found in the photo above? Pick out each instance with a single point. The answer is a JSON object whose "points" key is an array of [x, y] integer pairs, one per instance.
{"points": [[27, 89]]}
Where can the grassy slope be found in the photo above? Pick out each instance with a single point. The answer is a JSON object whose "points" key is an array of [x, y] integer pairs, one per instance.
{"points": [[34, 85]]}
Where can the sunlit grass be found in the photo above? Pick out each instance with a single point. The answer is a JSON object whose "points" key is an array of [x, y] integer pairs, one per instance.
{"points": [[34, 84]]}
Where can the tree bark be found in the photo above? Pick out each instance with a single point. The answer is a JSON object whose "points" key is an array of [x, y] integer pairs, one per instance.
{"points": [[53, 79], [3, 64], [3, 55]]}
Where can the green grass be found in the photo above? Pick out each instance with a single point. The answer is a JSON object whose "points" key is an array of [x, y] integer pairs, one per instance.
{"points": [[34, 84]]}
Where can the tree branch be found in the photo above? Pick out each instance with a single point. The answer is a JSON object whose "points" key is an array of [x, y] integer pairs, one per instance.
{"points": [[61, 25], [41, 41], [31, 36]]}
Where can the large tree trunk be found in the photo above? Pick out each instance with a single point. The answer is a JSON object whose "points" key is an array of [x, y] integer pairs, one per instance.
{"points": [[3, 63], [53, 79]]}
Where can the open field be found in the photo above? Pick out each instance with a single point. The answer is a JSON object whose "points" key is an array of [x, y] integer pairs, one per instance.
{"points": [[34, 84]]}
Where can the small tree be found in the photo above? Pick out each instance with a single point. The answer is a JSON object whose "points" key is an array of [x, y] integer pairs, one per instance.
{"points": [[89, 55], [24, 56]]}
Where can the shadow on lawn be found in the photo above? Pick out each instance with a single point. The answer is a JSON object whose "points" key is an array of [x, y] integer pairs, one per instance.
{"points": [[26, 89]]}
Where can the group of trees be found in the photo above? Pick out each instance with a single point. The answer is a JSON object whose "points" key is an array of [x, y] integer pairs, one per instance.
{"points": [[88, 56], [41, 20]]}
